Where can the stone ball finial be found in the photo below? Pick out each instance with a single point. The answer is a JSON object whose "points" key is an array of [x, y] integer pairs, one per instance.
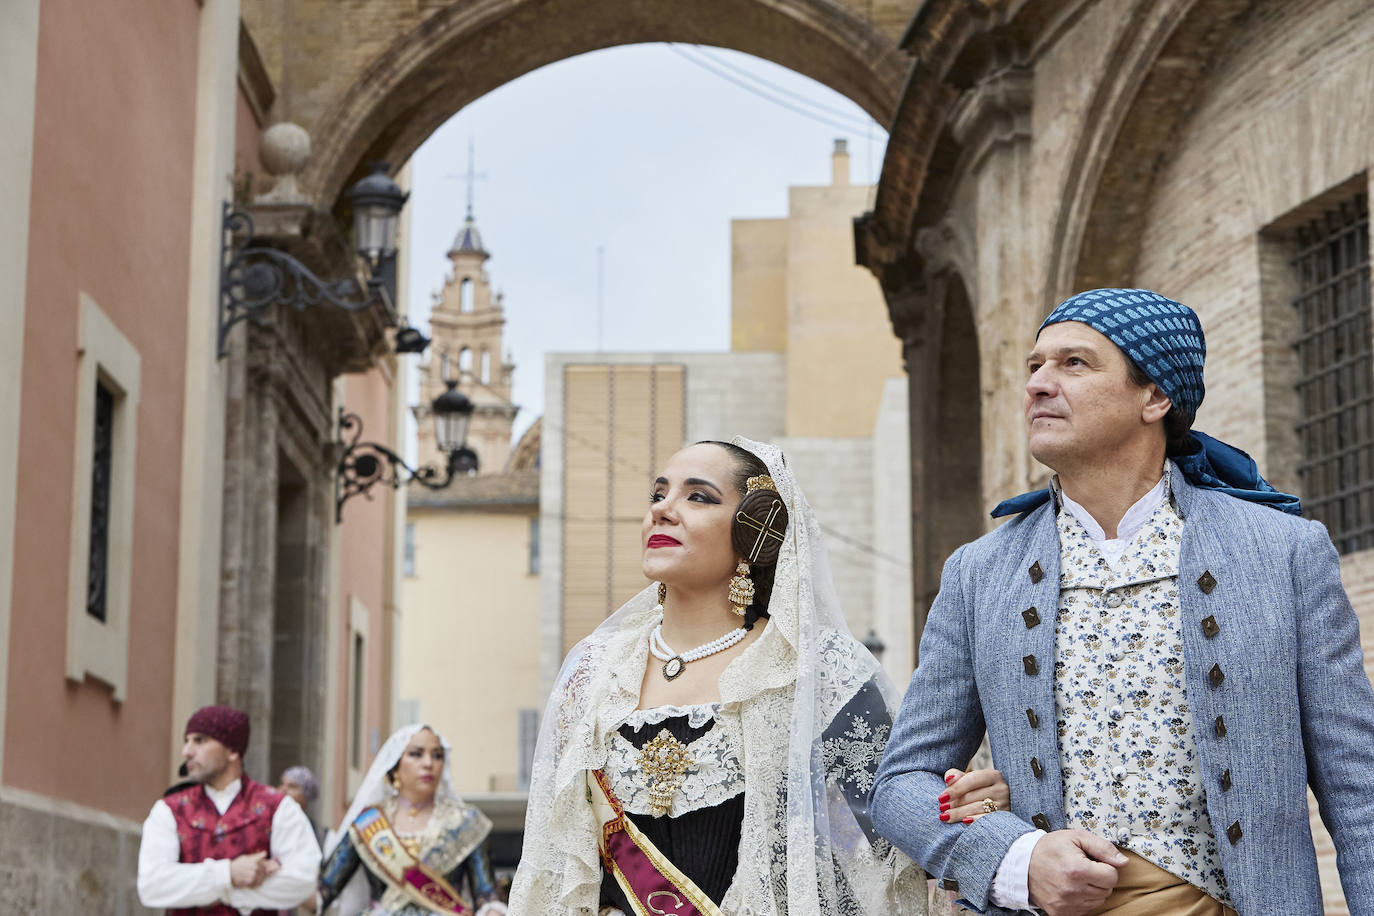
{"points": [[284, 149]]}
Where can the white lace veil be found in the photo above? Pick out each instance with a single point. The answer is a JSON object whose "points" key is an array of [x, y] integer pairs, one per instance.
{"points": [[374, 791], [805, 686]]}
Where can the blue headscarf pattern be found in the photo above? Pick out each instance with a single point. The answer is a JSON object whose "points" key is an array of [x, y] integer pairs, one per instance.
{"points": [[1164, 338]]}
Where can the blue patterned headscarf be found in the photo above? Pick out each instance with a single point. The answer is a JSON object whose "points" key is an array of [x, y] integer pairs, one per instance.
{"points": [[1164, 338]]}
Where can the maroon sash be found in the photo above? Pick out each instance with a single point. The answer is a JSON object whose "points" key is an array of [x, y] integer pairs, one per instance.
{"points": [[652, 885]]}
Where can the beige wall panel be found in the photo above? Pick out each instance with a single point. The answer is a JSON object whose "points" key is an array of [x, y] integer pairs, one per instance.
{"points": [[467, 643], [840, 348], [758, 285], [586, 488]]}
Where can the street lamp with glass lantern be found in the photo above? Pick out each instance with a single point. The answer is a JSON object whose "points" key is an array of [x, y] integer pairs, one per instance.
{"points": [[366, 463]]}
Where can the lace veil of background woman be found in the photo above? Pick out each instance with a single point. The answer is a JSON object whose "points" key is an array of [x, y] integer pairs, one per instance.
{"points": [[807, 710], [450, 846]]}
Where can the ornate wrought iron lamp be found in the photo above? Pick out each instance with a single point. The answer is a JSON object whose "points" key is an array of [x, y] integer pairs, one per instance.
{"points": [[255, 277], [365, 464]]}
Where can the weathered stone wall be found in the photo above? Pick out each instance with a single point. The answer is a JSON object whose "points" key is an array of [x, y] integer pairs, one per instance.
{"points": [[56, 857], [1283, 122]]}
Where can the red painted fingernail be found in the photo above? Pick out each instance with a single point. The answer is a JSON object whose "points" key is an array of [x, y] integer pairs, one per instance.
{"points": [[944, 815], [968, 820], [944, 806], [950, 779], [943, 798]]}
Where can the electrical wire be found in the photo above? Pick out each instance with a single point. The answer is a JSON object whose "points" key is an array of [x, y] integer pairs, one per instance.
{"points": [[854, 126]]}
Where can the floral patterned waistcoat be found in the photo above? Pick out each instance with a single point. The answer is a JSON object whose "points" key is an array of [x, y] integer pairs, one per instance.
{"points": [[1126, 744]]}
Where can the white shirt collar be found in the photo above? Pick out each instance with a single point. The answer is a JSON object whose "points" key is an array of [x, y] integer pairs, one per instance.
{"points": [[223, 798], [1134, 519]]}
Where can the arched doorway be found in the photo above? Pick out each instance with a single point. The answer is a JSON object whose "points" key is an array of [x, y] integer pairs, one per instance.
{"points": [[948, 496]]}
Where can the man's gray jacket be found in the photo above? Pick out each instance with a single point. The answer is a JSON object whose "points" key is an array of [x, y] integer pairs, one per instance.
{"points": [[1276, 687]]}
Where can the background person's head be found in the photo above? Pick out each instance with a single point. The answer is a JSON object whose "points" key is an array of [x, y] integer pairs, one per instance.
{"points": [[216, 739], [416, 775], [690, 534], [299, 783]]}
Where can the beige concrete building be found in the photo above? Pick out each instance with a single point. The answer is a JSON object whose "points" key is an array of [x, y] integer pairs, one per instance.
{"points": [[1217, 151]]}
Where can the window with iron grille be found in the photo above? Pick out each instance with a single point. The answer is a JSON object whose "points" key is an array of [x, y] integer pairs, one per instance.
{"points": [[1336, 373], [98, 566]]}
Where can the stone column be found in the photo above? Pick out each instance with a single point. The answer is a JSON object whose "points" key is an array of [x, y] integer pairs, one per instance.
{"points": [[992, 121]]}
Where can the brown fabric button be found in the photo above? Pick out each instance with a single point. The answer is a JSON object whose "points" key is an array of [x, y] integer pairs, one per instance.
{"points": [[1226, 781], [1216, 676], [1036, 573], [1221, 727], [1032, 618], [1029, 662], [1036, 768], [1032, 718], [1209, 627], [1207, 582], [949, 884], [1234, 833], [1041, 822]]}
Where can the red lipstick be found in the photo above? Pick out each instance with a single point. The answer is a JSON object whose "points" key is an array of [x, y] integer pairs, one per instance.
{"points": [[662, 540]]}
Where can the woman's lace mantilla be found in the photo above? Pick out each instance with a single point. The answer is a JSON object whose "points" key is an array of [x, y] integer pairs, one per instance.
{"points": [[807, 709]]}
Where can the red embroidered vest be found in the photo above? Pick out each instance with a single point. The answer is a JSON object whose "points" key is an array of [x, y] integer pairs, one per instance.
{"points": [[245, 827]]}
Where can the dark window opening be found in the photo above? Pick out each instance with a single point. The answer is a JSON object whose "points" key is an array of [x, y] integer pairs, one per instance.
{"points": [[1336, 373], [97, 576]]}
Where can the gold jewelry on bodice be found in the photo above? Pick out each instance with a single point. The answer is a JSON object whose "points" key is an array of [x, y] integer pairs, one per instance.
{"points": [[665, 762]]}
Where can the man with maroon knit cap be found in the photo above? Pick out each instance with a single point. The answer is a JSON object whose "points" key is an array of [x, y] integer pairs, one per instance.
{"points": [[227, 845]]}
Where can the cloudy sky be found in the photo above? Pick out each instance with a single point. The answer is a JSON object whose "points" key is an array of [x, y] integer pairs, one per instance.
{"points": [[646, 152]]}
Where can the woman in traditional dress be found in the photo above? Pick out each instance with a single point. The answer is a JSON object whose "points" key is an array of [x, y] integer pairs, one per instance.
{"points": [[709, 748], [419, 847]]}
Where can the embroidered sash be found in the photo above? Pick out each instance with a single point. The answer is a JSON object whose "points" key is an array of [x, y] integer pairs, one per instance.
{"points": [[387, 857], [652, 885]]}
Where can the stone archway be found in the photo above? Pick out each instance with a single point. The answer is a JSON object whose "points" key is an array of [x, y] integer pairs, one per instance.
{"points": [[1154, 80], [377, 86]]}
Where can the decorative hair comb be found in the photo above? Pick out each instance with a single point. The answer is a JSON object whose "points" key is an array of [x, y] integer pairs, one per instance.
{"points": [[761, 482]]}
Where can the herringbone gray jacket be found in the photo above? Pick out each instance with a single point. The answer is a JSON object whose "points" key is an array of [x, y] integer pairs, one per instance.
{"points": [[1276, 687]]}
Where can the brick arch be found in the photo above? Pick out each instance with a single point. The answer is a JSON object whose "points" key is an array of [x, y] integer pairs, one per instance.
{"points": [[466, 50], [1156, 73]]}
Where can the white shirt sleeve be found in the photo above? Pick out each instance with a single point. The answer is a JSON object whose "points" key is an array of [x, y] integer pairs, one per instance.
{"points": [[1011, 884], [166, 882], [294, 846]]}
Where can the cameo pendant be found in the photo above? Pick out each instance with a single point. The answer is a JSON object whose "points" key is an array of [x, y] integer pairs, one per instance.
{"points": [[673, 667]]}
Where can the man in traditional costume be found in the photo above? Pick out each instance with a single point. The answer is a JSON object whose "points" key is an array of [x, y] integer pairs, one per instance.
{"points": [[1159, 649], [226, 845]]}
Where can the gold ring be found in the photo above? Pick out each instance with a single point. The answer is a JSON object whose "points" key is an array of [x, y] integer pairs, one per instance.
{"points": [[989, 805]]}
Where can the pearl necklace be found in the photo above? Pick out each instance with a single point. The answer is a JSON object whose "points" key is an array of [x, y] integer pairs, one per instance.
{"points": [[675, 662]]}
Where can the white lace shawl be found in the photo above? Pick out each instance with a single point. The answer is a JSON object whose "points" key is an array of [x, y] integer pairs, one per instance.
{"points": [[814, 709]]}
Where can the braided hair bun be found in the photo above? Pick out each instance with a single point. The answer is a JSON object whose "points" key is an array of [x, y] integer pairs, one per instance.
{"points": [[759, 527]]}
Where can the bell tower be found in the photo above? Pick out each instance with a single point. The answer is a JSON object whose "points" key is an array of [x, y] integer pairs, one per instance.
{"points": [[467, 327]]}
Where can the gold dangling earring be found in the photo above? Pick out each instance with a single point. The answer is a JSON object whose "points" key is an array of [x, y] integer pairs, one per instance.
{"points": [[741, 589], [662, 595]]}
